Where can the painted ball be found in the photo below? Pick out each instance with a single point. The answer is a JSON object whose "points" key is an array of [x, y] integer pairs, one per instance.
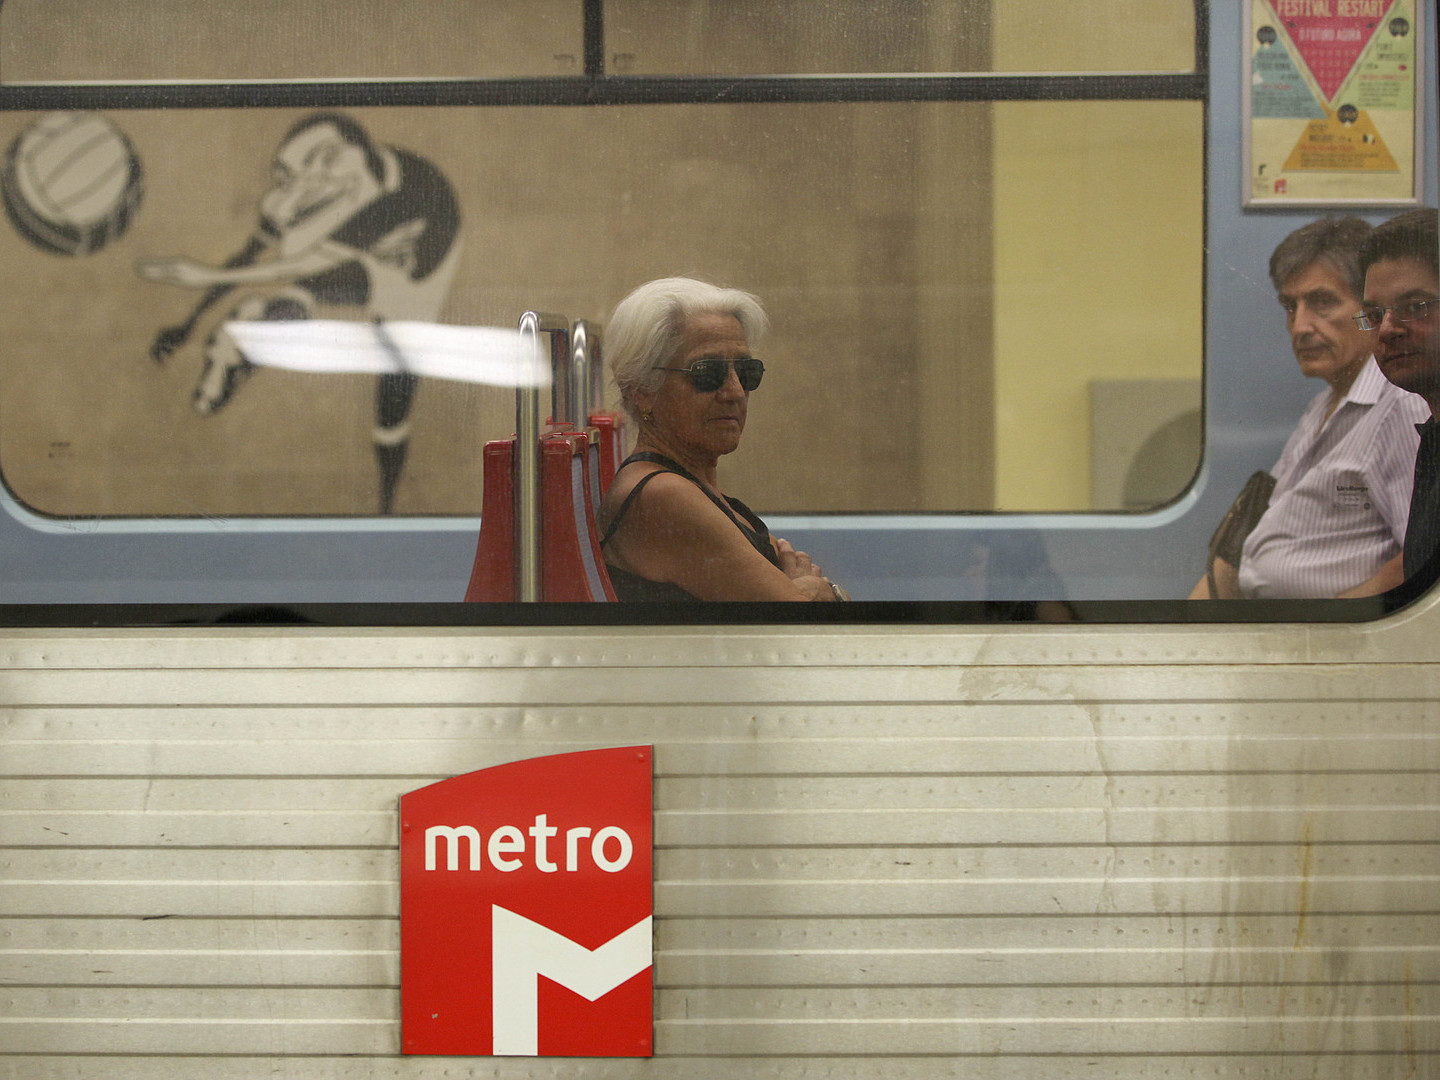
{"points": [[72, 182]]}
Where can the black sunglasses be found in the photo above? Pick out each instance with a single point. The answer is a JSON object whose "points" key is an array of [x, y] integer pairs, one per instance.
{"points": [[709, 375]]}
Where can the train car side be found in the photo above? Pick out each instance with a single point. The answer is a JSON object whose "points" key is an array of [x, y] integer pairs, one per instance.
{"points": [[1038, 851]]}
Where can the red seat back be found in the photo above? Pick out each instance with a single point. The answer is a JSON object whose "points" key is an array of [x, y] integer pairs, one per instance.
{"points": [[613, 439], [492, 578], [572, 568]]}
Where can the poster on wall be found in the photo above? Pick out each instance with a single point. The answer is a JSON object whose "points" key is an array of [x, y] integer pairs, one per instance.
{"points": [[1332, 103]]}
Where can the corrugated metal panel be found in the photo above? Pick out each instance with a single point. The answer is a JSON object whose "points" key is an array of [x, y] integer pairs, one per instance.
{"points": [[1020, 852]]}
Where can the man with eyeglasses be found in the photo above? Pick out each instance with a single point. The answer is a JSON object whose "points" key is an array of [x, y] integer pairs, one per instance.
{"points": [[1402, 308], [1336, 517]]}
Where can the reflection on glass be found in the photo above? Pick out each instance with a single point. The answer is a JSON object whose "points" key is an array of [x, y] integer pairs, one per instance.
{"points": [[489, 355]]}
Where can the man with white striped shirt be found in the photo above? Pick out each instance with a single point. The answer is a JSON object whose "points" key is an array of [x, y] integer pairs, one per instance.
{"points": [[1336, 521]]}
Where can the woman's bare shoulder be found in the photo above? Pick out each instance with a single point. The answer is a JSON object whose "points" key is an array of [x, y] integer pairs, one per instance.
{"points": [[665, 492]]}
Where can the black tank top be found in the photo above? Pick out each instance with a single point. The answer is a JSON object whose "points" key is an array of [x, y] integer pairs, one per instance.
{"points": [[630, 586]]}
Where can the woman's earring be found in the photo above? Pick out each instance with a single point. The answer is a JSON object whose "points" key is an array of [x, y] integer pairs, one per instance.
{"points": [[647, 417]]}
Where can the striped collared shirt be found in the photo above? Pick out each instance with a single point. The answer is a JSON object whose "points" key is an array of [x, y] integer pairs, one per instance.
{"points": [[1342, 493]]}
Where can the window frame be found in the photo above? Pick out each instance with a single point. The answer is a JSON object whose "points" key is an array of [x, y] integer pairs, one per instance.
{"points": [[596, 86]]}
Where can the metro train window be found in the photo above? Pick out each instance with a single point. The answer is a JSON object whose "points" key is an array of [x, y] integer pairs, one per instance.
{"points": [[980, 230], [129, 41], [696, 37]]}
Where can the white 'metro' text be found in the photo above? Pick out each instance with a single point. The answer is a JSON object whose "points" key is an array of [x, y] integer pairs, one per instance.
{"points": [[610, 848]]}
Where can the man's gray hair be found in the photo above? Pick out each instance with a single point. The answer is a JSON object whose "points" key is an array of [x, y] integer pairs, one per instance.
{"points": [[644, 332], [1333, 240]]}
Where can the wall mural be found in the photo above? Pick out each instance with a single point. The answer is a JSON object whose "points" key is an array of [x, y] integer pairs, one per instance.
{"points": [[370, 229], [122, 398], [357, 228]]}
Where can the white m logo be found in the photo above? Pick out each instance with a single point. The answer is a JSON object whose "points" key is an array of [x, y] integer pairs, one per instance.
{"points": [[522, 950]]}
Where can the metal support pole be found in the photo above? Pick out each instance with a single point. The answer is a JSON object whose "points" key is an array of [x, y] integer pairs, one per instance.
{"points": [[527, 446], [587, 369]]}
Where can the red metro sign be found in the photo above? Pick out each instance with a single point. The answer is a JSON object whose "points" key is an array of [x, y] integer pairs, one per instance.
{"points": [[525, 907]]}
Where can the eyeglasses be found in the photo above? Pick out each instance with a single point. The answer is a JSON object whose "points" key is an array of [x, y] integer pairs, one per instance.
{"points": [[709, 375], [1371, 316]]}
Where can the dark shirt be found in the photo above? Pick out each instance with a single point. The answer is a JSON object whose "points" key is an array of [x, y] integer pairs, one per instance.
{"points": [[1422, 534], [630, 586]]}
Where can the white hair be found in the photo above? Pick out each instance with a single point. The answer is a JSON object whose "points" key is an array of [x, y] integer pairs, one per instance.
{"points": [[645, 331]]}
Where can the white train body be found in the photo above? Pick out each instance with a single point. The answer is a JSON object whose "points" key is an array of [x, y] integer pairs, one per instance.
{"points": [[1024, 851]]}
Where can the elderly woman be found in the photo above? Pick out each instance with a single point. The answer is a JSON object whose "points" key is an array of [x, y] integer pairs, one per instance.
{"points": [[680, 350]]}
